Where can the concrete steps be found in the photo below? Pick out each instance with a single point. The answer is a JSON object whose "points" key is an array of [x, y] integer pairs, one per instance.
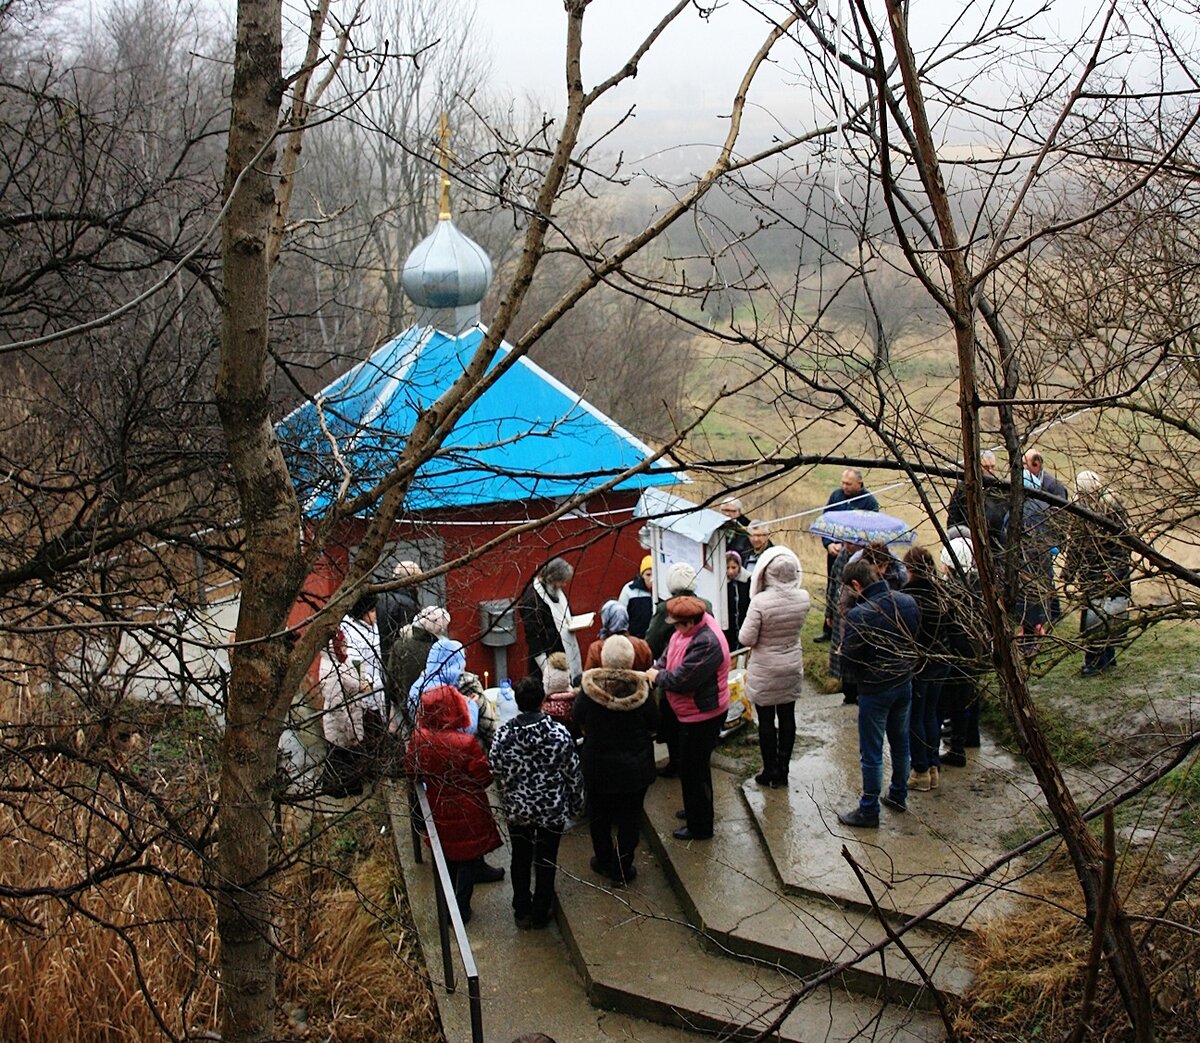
{"points": [[714, 937], [639, 954], [527, 980], [913, 859], [716, 934], [732, 893]]}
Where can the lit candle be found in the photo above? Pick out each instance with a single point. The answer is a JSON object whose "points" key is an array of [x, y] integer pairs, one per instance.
{"points": [[485, 679]]}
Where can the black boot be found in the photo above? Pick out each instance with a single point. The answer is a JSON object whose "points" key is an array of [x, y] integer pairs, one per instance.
{"points": [[767, 747], [784, 760]]}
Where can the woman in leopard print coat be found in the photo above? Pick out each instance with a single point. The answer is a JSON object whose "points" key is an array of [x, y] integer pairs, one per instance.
{"points": [[537, 769]]}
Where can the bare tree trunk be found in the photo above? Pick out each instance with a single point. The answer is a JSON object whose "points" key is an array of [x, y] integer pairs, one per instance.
{"points": [[265, 666], [273, 567], [1086, 856]]}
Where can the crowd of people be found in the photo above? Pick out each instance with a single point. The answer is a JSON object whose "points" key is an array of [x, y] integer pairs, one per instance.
{"points": [[909, 644], [580, 737]]}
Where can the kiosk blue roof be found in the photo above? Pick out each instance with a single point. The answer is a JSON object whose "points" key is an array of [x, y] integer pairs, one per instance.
{"points": [[528, 437]]}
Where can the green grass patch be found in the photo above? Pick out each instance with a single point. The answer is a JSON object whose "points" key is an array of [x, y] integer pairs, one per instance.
{"points": [[1082, 716], [1183, 781], [1073, 740], [816, 660], [1167, 810]]}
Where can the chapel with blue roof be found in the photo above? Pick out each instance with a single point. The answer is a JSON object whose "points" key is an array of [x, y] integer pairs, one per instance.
{"points": [[525, 446]]}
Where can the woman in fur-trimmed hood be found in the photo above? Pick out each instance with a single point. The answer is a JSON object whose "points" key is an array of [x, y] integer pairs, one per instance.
{"points": [[619, 720]]}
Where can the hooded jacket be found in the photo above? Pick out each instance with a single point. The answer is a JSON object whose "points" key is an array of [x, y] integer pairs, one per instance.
{"points": [[538, 771], [456, 775], [619, 721], [778, 607]]}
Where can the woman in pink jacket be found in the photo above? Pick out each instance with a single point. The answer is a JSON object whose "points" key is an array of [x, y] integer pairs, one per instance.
{"points": [[694, 674]]}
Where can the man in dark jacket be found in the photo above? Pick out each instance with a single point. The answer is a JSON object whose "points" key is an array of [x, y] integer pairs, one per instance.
{"points": [[850, 495], [545, 617], [880, 640], [995, 503], [1036, 466]]}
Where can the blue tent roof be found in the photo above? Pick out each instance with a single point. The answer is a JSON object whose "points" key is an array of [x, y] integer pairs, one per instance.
{"points": [[528, 437]]}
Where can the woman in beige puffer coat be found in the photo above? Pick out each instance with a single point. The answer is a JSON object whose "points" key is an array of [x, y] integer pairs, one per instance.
{"points": [[778, 605]]}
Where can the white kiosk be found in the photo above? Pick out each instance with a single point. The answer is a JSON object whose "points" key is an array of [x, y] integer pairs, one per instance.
{"points": [[678, 530]]}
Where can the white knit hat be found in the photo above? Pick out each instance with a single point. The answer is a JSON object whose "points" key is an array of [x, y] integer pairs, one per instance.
{"points": [[959, 551], [1088, 482], [556, 676], [617, 652], [433, 619], [680, 577]]}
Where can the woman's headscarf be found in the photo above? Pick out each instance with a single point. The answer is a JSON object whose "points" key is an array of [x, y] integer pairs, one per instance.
{"points": [[433, 619], [444, 664], [613, 618]]}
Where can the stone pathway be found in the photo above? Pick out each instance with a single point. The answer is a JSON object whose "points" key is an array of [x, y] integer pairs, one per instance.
{"points": [[716, 935]]}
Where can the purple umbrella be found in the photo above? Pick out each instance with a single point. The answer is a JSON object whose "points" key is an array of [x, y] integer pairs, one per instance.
{"points": [[863, 527]]}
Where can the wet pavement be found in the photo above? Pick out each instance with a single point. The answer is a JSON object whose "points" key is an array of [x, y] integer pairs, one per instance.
{"points": [[719, 933]]}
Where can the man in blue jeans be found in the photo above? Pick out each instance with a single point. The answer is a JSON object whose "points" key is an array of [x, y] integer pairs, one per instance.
{"points": [[880, 639]]}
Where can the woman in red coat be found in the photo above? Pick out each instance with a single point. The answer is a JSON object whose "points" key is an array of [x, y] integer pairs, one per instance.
{"points": [[456, 775]]}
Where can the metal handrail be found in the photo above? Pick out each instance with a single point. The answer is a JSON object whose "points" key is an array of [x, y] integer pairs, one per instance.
{"points": [[447, 911]]}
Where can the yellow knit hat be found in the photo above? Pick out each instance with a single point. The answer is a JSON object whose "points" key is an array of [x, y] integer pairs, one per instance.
{"points": [[647, 563]]}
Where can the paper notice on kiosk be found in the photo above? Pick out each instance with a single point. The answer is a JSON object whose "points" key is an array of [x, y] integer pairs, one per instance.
{"points": [[679, 548], [582, 622]]}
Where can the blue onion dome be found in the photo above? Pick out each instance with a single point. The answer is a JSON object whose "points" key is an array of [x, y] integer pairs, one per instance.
{"points": [[446, 269]]}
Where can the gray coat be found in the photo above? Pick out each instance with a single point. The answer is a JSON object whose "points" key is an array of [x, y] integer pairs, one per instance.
{"points": [[778, 605]]}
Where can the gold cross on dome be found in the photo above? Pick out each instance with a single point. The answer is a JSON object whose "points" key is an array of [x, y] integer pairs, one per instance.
{"points": [[444, 155]]}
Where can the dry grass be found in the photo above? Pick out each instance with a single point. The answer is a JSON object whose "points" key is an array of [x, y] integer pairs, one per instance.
{"points": [[359, 976], [1029, 970], [116, 940], [125, 958]]}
